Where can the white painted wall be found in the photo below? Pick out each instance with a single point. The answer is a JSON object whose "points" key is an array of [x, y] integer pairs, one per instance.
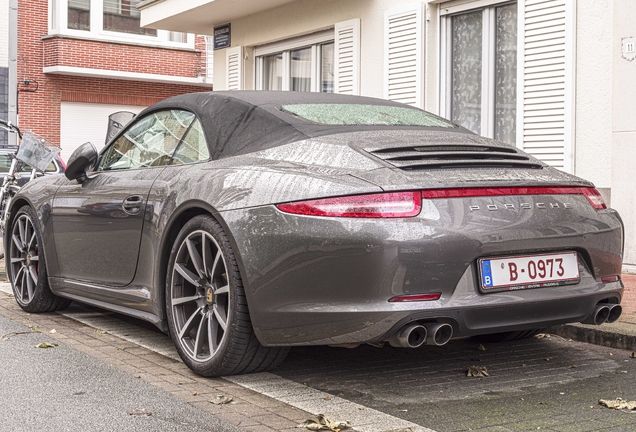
{"points": [[594, 39], [4, 33], [624, 126], [82, 122], [307, 16]]}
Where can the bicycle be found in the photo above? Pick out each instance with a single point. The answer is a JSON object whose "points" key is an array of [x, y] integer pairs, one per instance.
{"points": [[33, 151]]}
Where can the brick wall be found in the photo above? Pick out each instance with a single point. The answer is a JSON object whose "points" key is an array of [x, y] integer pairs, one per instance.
{"points": [[4, 103], [39, 110]]}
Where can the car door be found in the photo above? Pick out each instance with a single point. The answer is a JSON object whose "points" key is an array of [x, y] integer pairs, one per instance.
{"points": [[97, 224]]}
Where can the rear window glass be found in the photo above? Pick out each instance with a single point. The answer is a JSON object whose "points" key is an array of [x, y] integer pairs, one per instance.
{"points": [[365, 115]]}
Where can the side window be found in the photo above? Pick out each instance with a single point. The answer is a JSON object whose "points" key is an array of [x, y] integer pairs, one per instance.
{"points": [[193, 148], [150, 141]]}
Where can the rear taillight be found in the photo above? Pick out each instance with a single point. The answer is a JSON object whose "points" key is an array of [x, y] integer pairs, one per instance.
{"points": [[384, 205], [409, 204], [592, 195]]}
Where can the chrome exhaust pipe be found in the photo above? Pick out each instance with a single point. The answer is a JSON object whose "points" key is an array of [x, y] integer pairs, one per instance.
{"points": [[438, 334], [409, 336], [599, 316], [615, 312]]}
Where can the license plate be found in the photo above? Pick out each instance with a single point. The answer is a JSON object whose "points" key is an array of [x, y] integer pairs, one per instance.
{"points": [[530, 271]]}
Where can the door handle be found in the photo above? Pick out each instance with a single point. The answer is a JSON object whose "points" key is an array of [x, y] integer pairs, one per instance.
{"points": [[132, 204]]}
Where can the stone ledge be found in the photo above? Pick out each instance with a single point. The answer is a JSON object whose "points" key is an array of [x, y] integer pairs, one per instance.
{"points": [[618, 335]]}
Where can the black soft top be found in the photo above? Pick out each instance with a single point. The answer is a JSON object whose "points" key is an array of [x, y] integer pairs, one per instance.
{"points": [[241, 122]]}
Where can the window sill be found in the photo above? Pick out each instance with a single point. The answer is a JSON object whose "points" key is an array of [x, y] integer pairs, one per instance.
{"points": [[110, 40]]}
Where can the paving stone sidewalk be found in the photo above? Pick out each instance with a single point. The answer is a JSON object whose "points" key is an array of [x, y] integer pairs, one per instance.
{"points": [[248, 410]]}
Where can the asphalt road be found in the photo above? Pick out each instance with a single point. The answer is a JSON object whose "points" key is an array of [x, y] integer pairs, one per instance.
{"points": [[61, 389]]}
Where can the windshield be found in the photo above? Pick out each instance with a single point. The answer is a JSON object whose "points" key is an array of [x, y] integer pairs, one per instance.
{"points": [[365, 115]]}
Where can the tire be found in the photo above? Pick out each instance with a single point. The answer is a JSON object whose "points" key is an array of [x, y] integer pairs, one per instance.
{"points": [[207, 312], [26, 266], [508, 336]]}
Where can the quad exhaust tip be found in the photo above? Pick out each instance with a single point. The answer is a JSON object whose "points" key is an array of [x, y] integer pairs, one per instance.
{"points": [[409, 336], [438, 334], [604, 313], [615, 312], [416, 335]]}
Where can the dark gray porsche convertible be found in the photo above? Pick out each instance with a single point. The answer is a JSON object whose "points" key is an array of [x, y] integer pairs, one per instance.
{"points": [[244, 223]]}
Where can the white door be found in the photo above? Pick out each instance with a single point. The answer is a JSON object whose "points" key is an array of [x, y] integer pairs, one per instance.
{"points": [[81, 122]]}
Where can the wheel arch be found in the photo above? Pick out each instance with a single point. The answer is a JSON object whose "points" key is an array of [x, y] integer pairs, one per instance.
{"points": [[15, 206], [179, 218]]}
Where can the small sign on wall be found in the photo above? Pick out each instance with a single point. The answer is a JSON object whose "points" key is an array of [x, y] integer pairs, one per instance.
{"points": [[222, 36], [629, 48]]}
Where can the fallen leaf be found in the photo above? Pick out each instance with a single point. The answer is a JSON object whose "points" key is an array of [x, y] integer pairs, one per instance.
{"points": [[481, 348], [548, 359], [541, 336], [523, 365], [324, 423], [611, 354], [101, 332], [221, 400], [633, 355], [46, 345], [572, 366], [403, 410], [141, 412], [618, 404], [477, 371], [53, 331], [194, 393]]}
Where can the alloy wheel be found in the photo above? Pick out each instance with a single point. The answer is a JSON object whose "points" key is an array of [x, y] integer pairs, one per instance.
{"points": [[200, 296], [24, 258]]}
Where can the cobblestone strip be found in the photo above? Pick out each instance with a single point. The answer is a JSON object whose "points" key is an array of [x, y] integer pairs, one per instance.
{"points": [[249, 410]]}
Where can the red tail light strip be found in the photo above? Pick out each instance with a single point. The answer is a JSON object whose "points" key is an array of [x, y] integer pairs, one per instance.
{"points": [[384, 205], [592, 195], [409, 204]]}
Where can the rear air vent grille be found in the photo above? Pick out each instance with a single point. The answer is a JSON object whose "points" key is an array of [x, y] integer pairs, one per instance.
{"points": [[453, 156]]}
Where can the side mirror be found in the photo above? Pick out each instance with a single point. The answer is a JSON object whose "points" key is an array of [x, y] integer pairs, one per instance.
{"points": [[80, 161]]}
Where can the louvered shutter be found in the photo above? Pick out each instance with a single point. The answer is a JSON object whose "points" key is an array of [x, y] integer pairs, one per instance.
{"points": [[234, 68], [404, 55], [347, 57], [546, 102]]}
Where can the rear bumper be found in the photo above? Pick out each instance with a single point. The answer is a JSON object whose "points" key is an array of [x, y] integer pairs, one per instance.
{"points": [[317, 280]]}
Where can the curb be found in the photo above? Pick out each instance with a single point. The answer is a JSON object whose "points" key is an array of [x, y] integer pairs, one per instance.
{"points": [[618, 335]]}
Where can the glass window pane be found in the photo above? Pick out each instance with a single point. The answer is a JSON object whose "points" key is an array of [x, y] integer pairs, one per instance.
{"points": [[506, 74], [365, 115], [193, 148], [151, 141], [123, 16], [177, 37], [79, 15], [273, 72], [301, 70], [326, 68], [466, 70]]}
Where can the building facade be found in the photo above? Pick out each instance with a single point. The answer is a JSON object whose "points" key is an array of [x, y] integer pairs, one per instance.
{"points": [[78, 61], [4, 68], [549, 76]]}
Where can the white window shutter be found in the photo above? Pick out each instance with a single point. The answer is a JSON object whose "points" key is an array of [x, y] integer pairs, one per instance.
{"points": [[404, 55], [347, 57], [546, 72], [234, 68]]}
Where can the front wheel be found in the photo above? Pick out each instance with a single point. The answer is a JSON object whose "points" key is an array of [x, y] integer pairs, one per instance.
{"points": [[26, 265], [208, 318]]}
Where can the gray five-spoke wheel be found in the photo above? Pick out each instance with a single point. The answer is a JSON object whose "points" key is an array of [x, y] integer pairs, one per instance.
{"points": [[25, 256], [200, 296]]}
